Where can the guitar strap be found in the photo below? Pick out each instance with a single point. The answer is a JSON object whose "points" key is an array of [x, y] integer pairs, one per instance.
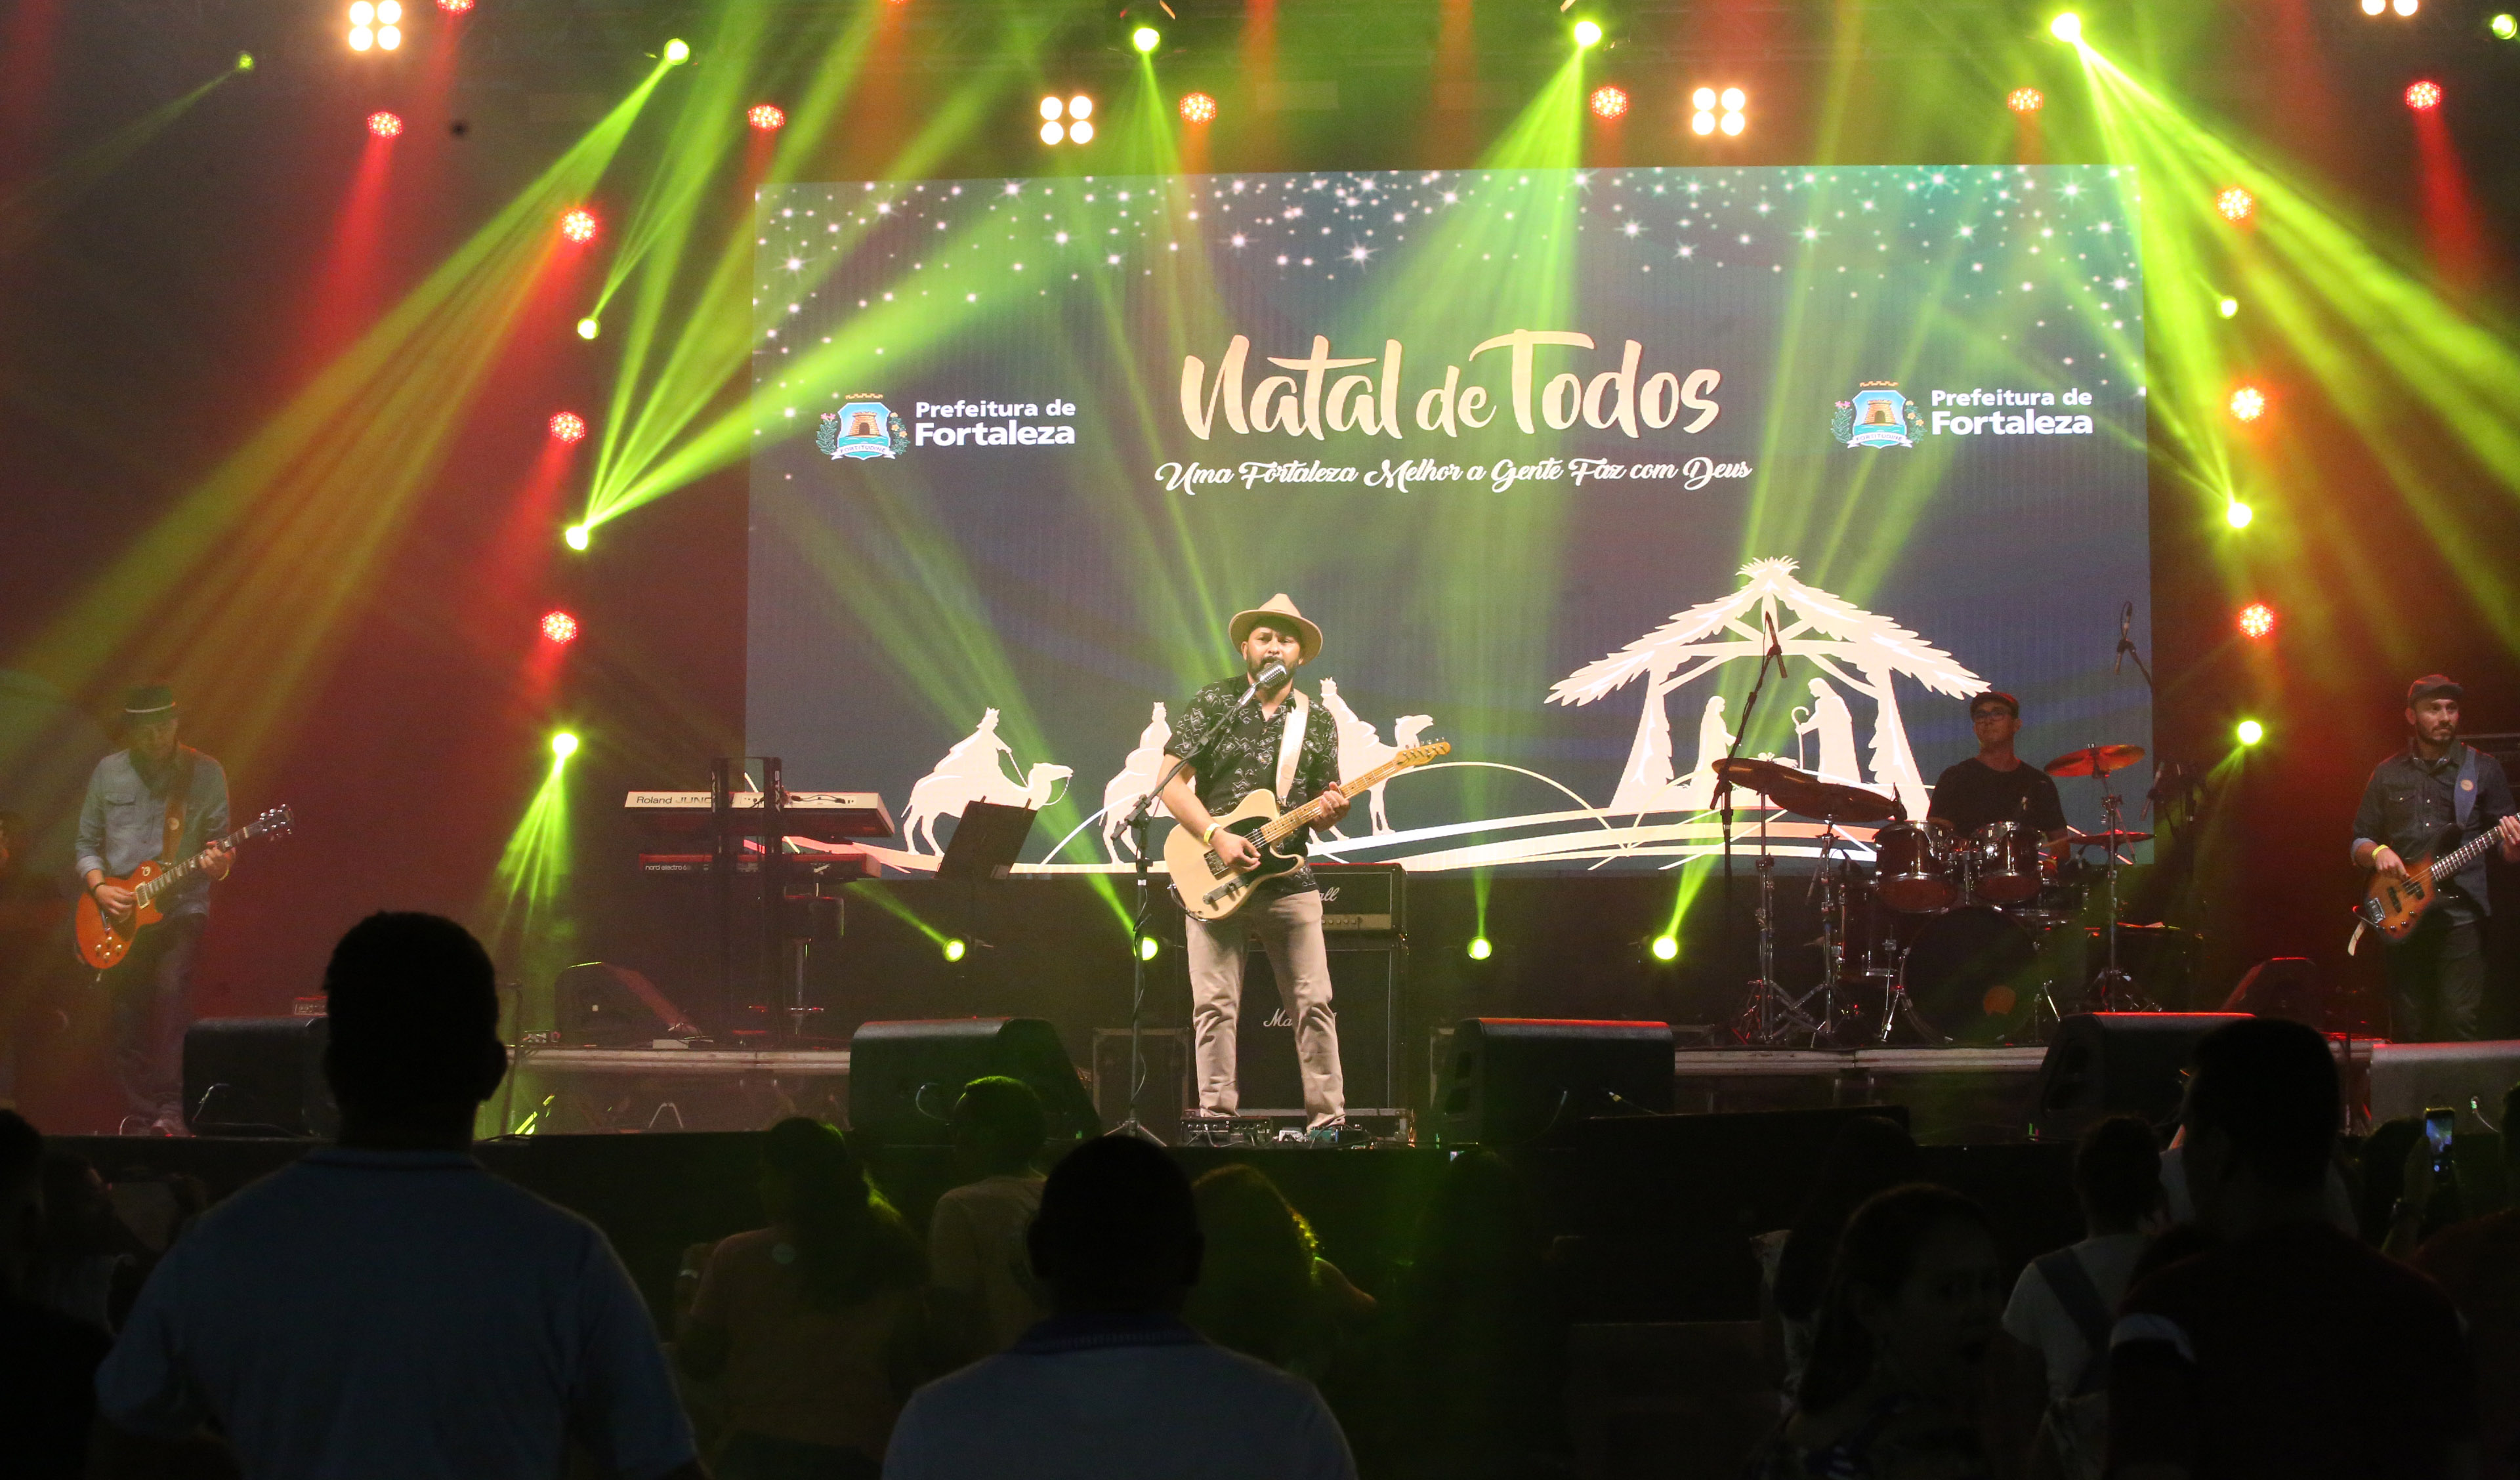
{"points": [[1291, 743], [177, 800], [2463, 793]]}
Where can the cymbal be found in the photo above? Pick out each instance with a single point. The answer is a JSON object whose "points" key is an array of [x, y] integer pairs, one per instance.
{"points": [[1806, 795], [2077, 839], [2094, 760]]}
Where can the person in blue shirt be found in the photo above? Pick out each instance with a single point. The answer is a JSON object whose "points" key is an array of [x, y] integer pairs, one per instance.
{"points": [[155, 799]]}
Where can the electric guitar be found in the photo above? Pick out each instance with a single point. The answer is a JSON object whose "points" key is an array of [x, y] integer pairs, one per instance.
{"points": [[101, 942], [1210, 890], [2393, 906]]}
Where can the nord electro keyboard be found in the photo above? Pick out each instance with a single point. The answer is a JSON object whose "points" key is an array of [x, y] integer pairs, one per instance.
{"points": [[826, 816]]}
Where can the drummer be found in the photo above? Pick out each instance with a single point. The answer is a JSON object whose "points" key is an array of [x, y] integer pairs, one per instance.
{"points": [[1996, 786]]}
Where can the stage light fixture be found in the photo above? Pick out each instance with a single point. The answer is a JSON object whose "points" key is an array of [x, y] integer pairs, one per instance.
{"points": [[1702, 121], [1734, 123], [1666, 948], [1146, 38], [1080, 106], [2425, 96], [385, 125], [2374, 7], [2248, 403], [2238, 515], [1608, 103], [2066, 28], [567, 427], [1587, 34], [1197, 107], [2235, 205], [954, 950], [454, 6], [1080, 133], [578, 224], [244, 62], [1148, 947], [361, 38], [1053, 133], [2504, 27], [574, 537], [1052, 108], [2403, 7], [2229, 308], [389, 37], [588, 328], [2250, 732], [677, 51], [560, 627], [363, 14], [564, 744], [2025, 100], [389, 12], [766, 118], [1479, 948], [2257, 620]]}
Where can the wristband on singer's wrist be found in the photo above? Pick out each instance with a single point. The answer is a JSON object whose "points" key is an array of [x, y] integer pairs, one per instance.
{"points": [[1209, 836]]}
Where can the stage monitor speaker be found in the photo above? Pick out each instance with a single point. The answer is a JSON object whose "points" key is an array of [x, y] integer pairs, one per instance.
{"points": [[2411, 1078], [257, 1076], [904, 1077], [1512, 1079], [2116, 1064]]}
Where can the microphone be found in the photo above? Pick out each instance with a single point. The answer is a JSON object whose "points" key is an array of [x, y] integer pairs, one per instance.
{"points": [[2126, 621], [1267, 678], [1775, 645]]}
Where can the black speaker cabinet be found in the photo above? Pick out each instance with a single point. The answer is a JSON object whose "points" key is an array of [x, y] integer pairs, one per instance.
{"points": [[2116, 1064], [1511, 1079], [904, 1077], [257, 1076], [1365, 983]]}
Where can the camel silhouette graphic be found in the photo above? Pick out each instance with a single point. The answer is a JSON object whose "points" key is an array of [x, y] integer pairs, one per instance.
{"points": [[974, 770], [1360, 749]]}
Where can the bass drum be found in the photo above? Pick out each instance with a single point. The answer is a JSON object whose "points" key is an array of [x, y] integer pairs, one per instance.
{"points": [[1971, 973]]}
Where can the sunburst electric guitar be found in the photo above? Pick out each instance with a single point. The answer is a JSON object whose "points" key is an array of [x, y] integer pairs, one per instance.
{"points": [[101, 942], [1210, 890], [2394, 907]]}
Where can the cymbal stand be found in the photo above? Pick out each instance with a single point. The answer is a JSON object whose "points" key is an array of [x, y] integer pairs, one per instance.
{"points": [[1769, 1018], [2112, 990], [1833, 935]]}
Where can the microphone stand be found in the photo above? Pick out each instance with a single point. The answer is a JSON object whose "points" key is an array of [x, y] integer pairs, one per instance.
{"points": [[1763, 990], [1136, 822]]}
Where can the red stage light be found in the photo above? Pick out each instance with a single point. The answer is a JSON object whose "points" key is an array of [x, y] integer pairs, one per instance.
{"points": [[2257, 620], [579, 225], [2424, 97], [560, 627], [568, 427], [2235, 205], [768, 118], [2024, 100], [1608, 103], [385, 125], [454, 6], [2248, 403], [1197, 107]]}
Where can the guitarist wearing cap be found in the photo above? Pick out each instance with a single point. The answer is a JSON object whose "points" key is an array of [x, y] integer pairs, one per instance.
{"points": [[1261, 739], [154, 799], [2426, 799]]}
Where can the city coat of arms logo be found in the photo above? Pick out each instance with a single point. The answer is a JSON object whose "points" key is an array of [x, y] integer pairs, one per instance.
{"points": [[1877, 417], [861, 429]]}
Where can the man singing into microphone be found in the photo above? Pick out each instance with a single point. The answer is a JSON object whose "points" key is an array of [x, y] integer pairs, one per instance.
{"points": [[1259, 732]]}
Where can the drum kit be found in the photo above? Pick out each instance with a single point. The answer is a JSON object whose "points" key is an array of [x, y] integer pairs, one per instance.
{"points": [[1963, 939]]}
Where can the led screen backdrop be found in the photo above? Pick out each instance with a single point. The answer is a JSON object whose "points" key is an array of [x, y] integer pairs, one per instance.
{"points": [[1545, 453]]}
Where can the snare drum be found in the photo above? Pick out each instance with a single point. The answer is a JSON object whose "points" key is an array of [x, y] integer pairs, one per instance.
{"points": [[2006, 856], [1913, 874]]}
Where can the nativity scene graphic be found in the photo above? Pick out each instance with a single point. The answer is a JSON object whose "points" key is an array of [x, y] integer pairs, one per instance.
{"points": [[1847, 726]]}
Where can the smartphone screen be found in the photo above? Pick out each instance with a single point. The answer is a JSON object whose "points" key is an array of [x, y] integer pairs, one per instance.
{"points": [[2438, 1126]]}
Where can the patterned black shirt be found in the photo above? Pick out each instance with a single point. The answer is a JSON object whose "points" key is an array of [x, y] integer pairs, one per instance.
{"points": [[2411, 804], [1242, 759]]}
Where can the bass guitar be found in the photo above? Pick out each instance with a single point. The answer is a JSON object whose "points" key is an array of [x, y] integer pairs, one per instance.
{"points": [[101, 942], [1210, 890], [2394, 906]]}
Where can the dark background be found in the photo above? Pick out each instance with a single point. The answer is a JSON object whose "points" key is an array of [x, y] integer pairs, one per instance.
{"points": [[157, 312]]}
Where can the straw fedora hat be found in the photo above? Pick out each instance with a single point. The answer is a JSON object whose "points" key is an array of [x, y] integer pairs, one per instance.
{"points": [[1277, 611]]}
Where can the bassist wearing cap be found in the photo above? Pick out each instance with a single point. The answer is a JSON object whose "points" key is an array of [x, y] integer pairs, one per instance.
{"points": [[1270, 739], [154, 799], [2435, 797]]}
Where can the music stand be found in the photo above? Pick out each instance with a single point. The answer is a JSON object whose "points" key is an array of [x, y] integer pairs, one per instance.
{"points": [[985, 842]]}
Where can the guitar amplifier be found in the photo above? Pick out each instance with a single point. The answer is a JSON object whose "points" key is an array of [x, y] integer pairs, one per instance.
{"points": [[1362, 902]]}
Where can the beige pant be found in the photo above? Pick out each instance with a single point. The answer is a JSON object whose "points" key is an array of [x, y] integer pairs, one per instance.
{"points": [[1290, 929]]}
